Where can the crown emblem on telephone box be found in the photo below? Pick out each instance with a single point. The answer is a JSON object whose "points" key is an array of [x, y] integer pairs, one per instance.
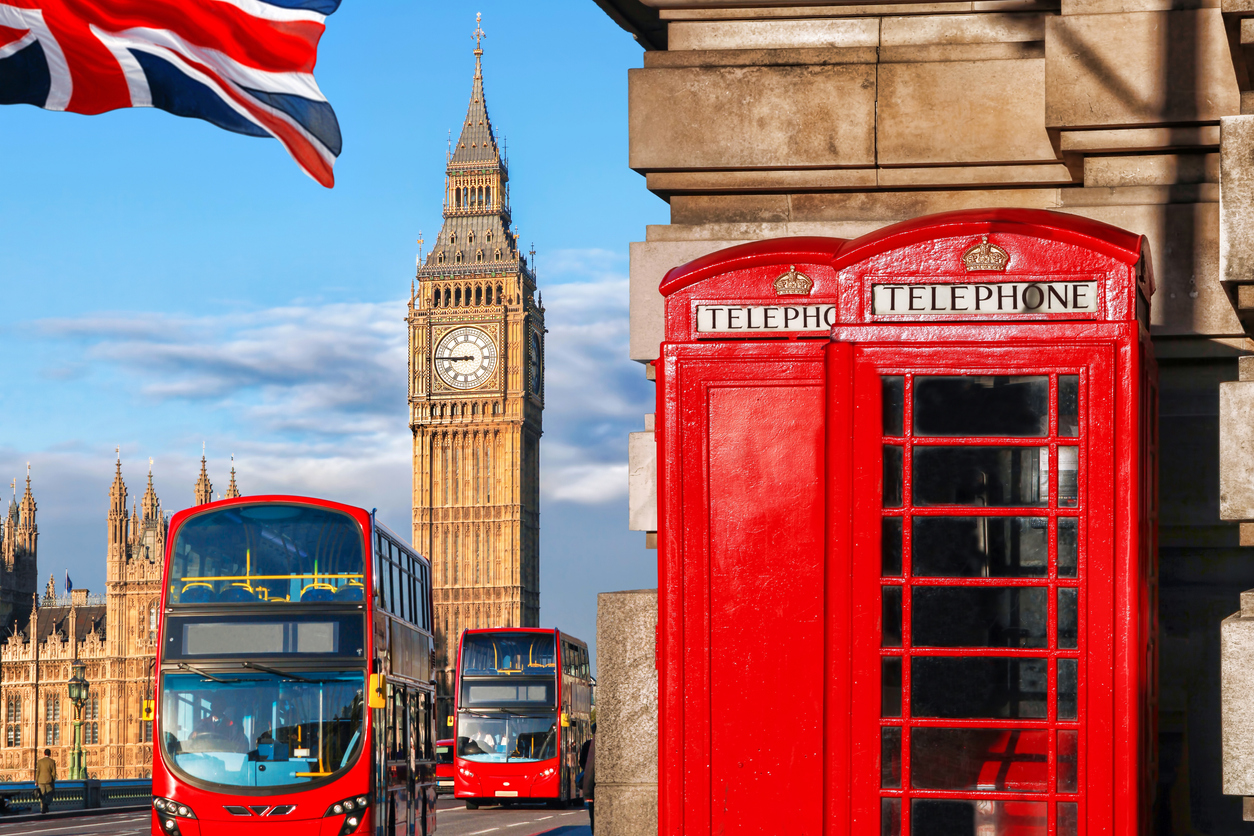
{"points": [[793, 283], [985, 256]]}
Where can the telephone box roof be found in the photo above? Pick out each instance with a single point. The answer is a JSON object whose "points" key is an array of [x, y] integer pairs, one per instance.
{"points": [[800, 250], [1102, 238]]}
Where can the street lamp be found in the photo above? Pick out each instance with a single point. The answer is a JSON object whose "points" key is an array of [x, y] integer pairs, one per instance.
{"points": [[78, 696]]}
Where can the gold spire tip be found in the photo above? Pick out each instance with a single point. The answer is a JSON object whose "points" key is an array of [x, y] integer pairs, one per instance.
{"points": [[478, 34]]}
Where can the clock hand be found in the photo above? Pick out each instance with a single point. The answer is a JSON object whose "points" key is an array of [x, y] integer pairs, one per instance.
{"points": [[451, 357]]}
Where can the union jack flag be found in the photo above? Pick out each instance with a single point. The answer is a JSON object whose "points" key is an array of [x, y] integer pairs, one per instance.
{"points": [[244, 65]]}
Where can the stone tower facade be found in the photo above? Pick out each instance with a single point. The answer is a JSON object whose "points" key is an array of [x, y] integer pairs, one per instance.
{"points": [[19, 536], [114, 635], [476, 394]]}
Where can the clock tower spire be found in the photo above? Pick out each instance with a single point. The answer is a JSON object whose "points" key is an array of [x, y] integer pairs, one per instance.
{"points": [[476, 395]]}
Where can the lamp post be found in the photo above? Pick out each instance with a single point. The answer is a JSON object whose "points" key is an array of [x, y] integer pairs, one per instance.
{"points": [[78, 696]]}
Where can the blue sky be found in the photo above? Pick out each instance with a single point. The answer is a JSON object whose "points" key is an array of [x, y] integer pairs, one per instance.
{"points": [[166, 283]]}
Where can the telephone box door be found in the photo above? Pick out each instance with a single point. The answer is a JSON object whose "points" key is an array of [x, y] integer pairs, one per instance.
{"points": [[982, 501]]}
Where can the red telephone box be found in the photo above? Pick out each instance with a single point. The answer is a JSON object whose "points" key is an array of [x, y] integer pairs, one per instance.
{"points": [[907, 550]]}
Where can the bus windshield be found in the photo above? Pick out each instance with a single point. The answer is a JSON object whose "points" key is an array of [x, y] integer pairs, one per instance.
{"points": [[505, 654], [266, 554], [255, 729], [497, 738]]}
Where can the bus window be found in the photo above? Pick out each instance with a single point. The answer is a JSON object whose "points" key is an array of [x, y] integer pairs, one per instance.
{"points": [[380, 574], [505, 653], [397, 604], [267, 553], [259, 729]]}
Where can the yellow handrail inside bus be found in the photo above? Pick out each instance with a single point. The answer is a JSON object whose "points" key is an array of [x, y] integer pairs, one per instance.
{"points": [[312, 774], [319, 575]]}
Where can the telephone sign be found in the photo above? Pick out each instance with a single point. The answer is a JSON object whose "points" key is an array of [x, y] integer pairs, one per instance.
{"points": [[907, 561]]}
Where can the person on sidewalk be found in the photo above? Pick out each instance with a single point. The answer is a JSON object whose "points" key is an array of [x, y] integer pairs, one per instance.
{"points": [[590, 783], [45, 779]]}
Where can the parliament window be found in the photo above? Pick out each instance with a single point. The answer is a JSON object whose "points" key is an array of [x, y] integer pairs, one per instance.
{"points": [[13, 720]]}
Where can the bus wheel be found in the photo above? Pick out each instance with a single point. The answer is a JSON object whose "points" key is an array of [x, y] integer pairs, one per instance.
{"points": [[472, 805]]}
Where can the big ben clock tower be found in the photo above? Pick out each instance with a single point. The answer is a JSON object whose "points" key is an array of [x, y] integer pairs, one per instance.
{"points": [[476, 394]]}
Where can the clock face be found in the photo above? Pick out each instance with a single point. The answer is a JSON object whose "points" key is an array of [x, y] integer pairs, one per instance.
{"points": [[534, 364], [465, 358]]}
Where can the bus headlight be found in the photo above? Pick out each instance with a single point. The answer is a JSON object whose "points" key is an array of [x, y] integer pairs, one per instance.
{"points": [[168, 811], [170, 807], [352, 809]]}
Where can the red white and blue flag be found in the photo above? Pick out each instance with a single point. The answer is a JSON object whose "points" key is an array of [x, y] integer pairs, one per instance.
{"points": [[244, 65]]}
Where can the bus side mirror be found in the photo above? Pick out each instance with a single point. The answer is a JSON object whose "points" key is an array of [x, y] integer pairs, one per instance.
{"points": [[148, 710], [378, 694], [565, 720]]}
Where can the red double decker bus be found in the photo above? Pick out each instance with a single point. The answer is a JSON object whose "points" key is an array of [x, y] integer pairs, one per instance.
{"points": [[293, 674], [523, 711]]}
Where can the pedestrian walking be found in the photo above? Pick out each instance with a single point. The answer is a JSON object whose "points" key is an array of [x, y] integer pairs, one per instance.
{"points": [[45, 779], [590, 782]]}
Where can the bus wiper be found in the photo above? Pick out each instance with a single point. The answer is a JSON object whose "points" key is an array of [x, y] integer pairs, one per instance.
{"points": [[205, 674], [276, 672]]}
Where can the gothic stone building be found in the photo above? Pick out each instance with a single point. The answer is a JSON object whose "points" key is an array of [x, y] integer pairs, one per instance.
{"points": [[18, 536], [476, 348], [114, 635]]}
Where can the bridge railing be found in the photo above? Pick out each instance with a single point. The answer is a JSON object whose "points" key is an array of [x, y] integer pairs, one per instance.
{"points": [[79, 795]]}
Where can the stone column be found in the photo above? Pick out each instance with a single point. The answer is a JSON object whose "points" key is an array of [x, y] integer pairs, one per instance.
{"points": [[626, 767]]}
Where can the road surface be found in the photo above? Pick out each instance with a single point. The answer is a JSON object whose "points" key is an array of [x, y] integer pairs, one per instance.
{"points": [[453, 819]]}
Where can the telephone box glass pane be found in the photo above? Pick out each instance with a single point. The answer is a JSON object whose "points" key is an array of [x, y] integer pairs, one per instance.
{"points": [[1067, 675], [990, 406], [890, 687], [980, 547], [1068, 405], [890, 817], [977, 616], [890, 758], [1001, 760], [1068, 476], [894, 401], [1068, 628], [1068, 818], [945, 817], [892, 477], [892, 616], [977, 687], [987, 476], [890, 547], [1068, 546], [1067, 765]]}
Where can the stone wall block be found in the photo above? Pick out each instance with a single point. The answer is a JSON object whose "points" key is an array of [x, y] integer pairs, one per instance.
{"points": [[1236, 452], [963, 112], [774, 34], [752, 117], [1150, 170], [1138, 68], [642, 481], [627, 713], [1236, 659], [1236, 199], [962, 29]]}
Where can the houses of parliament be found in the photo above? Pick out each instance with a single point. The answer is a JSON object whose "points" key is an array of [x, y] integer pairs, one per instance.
{"points": [[114, 635], [476, 395]]}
